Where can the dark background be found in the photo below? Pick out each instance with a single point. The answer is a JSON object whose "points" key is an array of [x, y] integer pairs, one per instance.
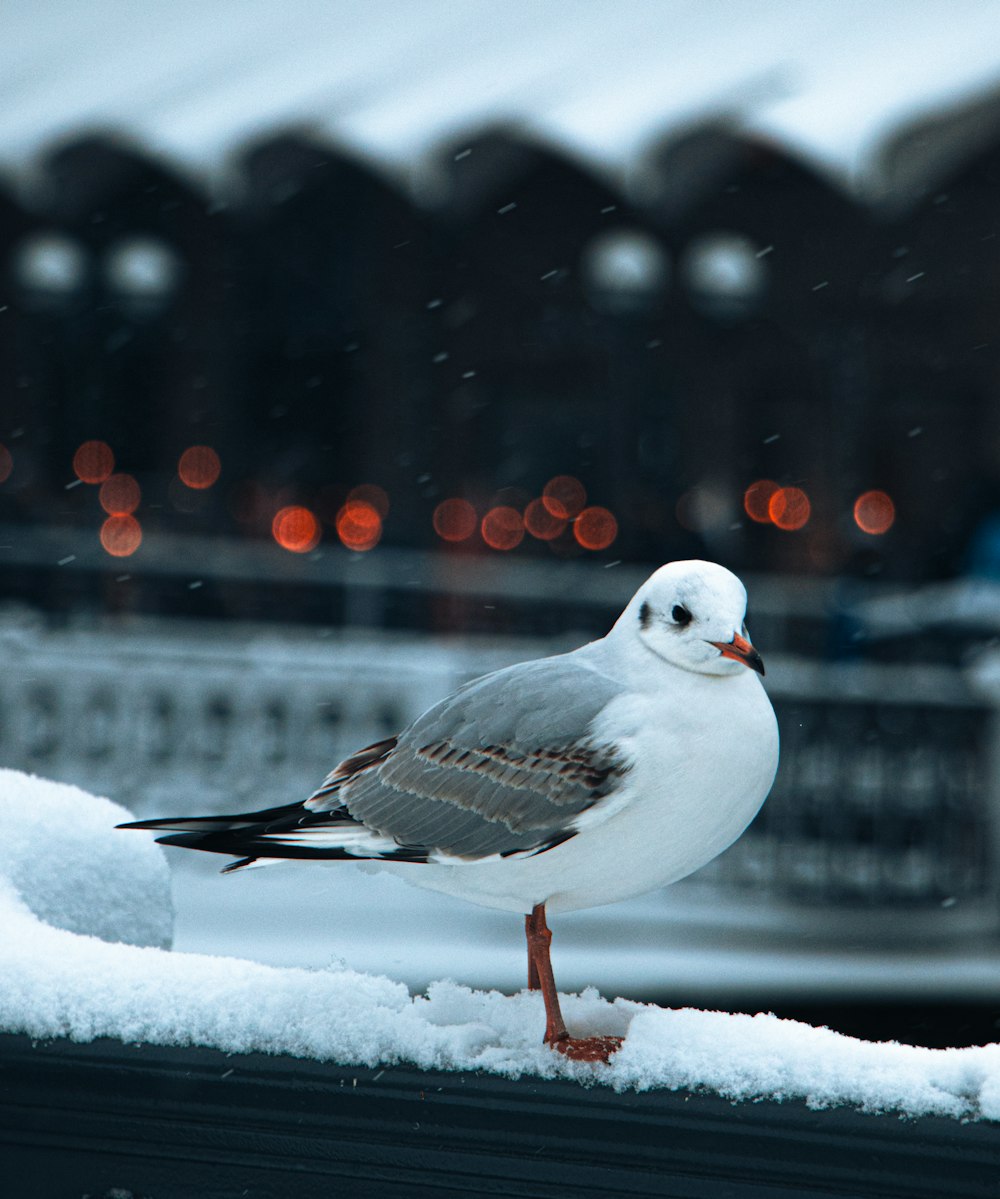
{"points": [[320, 331]]}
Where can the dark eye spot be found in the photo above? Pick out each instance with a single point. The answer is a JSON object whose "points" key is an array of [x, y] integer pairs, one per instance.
{"points": [[645, 616], [681, 615]]}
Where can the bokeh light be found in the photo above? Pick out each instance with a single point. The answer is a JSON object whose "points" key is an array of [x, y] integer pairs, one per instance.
{"points": [[625, 270], [199, 467], [121, 536], [296, 529], [564, 496], [93, 461], [874, 512], [6, 464], [725, 272], [595, 528], [789, 508], [359, 526], [541, 522], [120, 495], [455, 519], [370, 493], [142, 268], [50, 264], [503, 528], [757, 498]]}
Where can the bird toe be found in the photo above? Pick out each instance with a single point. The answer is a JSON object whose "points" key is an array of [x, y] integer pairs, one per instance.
{"points": [[587, 1049]]}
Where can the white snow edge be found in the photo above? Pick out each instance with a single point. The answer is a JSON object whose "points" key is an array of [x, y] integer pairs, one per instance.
{"points": [[55, 982]]}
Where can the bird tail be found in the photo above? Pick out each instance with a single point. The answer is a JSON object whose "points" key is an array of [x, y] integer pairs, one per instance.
{"points": [[203, 825], [320, 828], [291, 831], [223, 834]]}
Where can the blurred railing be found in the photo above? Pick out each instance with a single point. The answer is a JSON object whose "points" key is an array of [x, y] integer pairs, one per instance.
{"points": [[205, 718], [885, 808], [885, 805], [393, 588]]}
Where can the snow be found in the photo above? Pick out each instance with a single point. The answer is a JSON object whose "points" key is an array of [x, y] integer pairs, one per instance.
{"points": [[397, 81], [57, 854], [85, 913]]}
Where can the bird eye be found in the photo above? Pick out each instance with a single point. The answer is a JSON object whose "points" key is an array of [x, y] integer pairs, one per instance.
{"points": [[681, 615]]}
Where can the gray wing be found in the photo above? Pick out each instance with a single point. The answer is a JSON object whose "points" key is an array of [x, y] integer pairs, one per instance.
{"points": [[502, 766]]}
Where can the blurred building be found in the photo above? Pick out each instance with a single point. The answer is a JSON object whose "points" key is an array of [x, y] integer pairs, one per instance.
{"points": [[735, 275]]}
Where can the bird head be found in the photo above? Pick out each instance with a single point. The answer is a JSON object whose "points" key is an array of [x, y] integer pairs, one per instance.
{"points": [[692, 615]]}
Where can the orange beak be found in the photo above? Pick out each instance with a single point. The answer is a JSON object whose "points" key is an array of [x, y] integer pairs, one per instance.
{"points": [[740, 649]]}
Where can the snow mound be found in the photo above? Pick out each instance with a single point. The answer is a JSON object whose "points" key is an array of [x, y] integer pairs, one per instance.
{"points": [[64, 971], [59, 853]]}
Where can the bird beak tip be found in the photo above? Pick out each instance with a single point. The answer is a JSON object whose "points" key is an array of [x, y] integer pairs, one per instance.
{"points": [[740, 650]]}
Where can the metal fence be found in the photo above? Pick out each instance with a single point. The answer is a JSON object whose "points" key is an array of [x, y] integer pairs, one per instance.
{"points": [[882, 819]]}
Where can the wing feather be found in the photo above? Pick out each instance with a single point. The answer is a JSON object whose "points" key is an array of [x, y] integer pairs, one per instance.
{"points": [[502, 766]]}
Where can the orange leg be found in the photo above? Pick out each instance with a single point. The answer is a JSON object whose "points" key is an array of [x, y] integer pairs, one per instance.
{"points": [[534, 983], [540, 978]]}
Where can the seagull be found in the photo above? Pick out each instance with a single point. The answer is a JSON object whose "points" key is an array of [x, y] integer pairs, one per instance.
{"points": [[552, 785]]}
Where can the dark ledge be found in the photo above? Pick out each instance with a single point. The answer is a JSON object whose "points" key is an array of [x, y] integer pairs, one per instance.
{"points": [[81, 1120]]}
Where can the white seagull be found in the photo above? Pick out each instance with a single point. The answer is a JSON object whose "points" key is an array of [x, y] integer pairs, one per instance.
{"points": [[557, 784]]}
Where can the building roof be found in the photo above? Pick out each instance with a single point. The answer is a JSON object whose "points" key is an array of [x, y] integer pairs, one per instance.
{"points": [[880, 96]]}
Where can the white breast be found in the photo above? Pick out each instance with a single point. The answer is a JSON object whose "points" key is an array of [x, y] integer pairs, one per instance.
{"points": [[703, 763]]}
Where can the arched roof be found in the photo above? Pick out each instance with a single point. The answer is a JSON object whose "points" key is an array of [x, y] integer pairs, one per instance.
{"points": [[852, 87]]}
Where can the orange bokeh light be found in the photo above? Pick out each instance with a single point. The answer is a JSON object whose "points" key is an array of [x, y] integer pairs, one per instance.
{"points": [[789, 508], [295, 529], [121, 536], [119, 495], [6, 464], [93, 462], [874, 512], [199, 467], [595, 528], [359, 526], [564, 496], [503, 528], [455, 519], [542, 522], [374, 496], [757, 499]]}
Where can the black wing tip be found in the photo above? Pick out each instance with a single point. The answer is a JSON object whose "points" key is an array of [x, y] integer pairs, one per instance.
{"points": [[237, 865], [179, 824], [219, 822], [160, 826]]}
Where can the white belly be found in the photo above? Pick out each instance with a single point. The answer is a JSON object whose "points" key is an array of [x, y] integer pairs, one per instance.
{"points": [[694, 787]]}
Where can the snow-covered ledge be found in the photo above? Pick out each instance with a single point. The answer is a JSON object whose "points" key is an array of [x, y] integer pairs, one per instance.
{"points": [[85, 920]]}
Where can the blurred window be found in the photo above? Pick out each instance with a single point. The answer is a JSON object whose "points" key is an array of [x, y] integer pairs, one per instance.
{"points": [[625, 270]]}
